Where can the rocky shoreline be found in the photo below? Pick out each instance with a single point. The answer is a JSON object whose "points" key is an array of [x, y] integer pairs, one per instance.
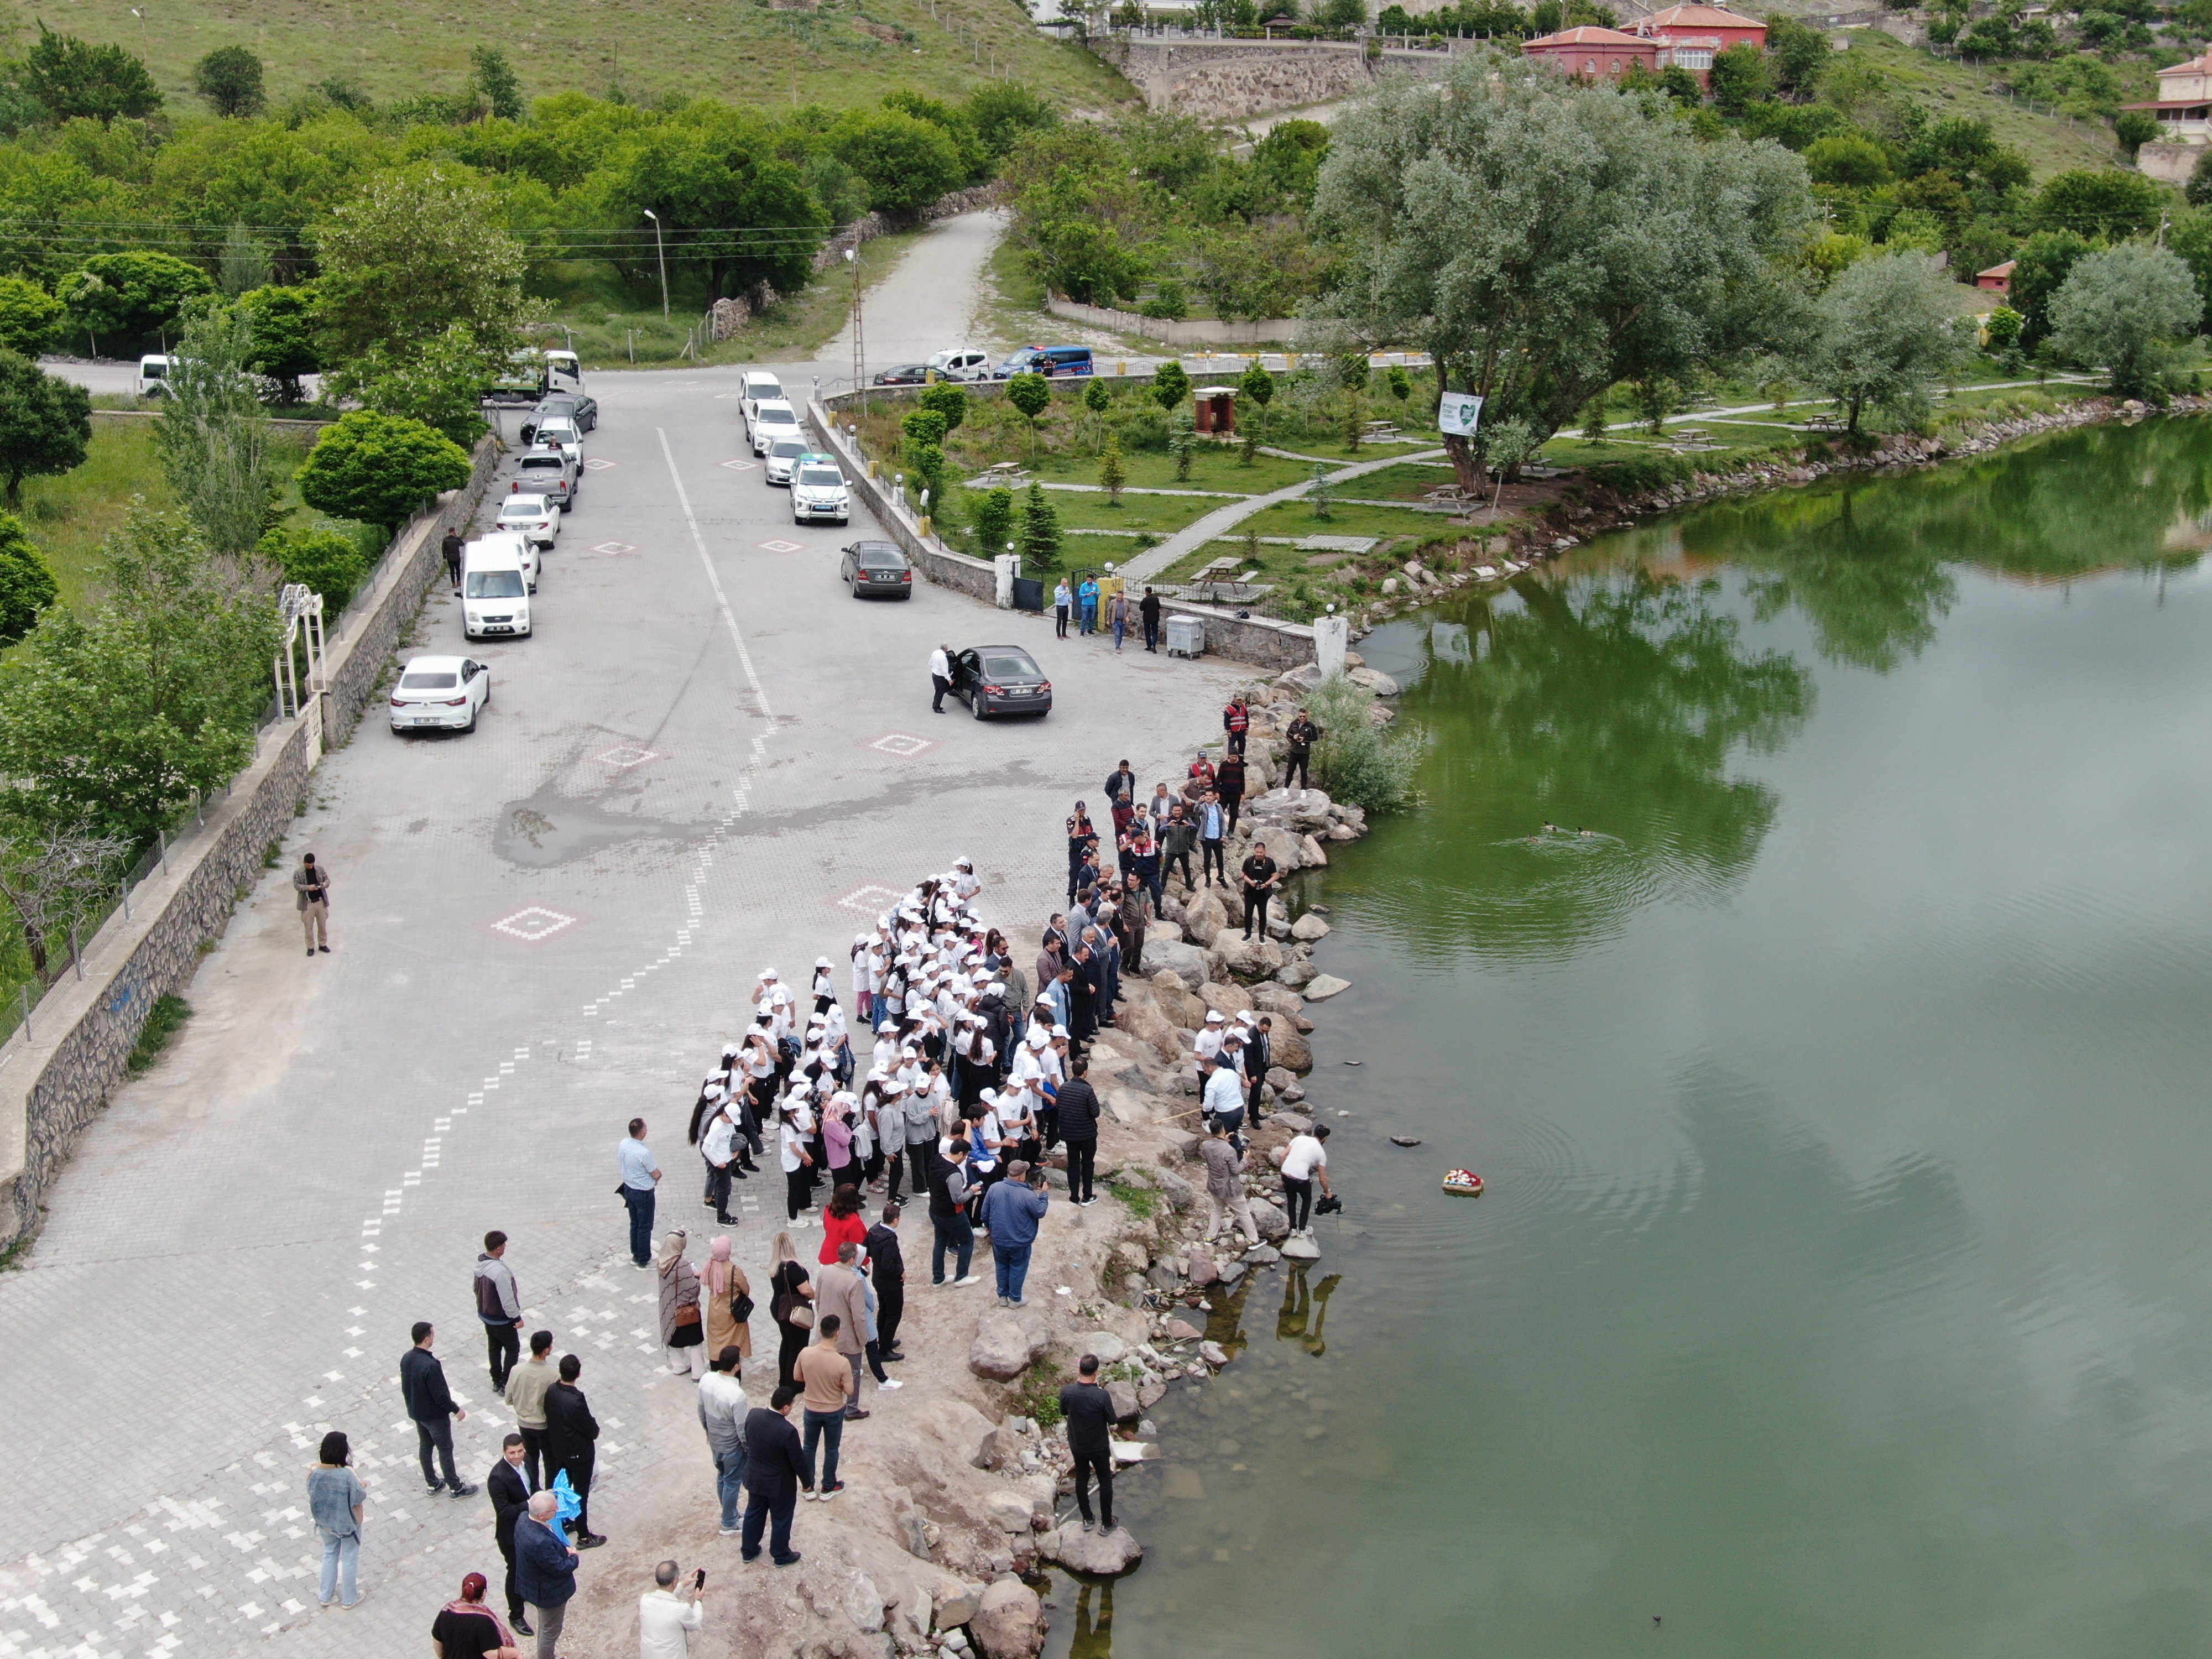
{"points": [[1565, 525]]}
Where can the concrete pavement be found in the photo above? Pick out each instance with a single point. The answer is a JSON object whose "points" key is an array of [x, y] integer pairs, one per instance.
{"points": [[710, 759]]}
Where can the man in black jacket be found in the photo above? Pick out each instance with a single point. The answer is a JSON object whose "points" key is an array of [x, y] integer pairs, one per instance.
{"points": [[774, 1465], [1299, 740], [1149, 611], [570, 1433], [1078, 1127], [1122, 795], [887, 1268], [1089, 1410], [1259, 1056], [422, 1386], [509, 1487]]}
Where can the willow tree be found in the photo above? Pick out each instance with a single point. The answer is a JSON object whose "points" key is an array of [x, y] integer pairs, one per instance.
{"points": [[1543, 240]]}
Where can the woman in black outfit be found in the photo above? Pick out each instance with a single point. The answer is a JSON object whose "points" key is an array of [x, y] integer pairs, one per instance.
{"points": [[787, 1279]]}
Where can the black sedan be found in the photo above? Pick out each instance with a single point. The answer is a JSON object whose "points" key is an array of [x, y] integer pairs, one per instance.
{"points": [[876, 569], [1000, 679], [572, 405], [904, 375]]}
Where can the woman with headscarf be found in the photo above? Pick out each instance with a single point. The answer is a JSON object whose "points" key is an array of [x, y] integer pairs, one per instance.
{"points": [[837, 1143], [791, 1297], [335, 1498], [682, 1330], [721, 1283], [467, 1628]]}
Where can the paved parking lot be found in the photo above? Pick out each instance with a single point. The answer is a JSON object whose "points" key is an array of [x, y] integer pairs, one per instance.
{"points": [[709, 759]]}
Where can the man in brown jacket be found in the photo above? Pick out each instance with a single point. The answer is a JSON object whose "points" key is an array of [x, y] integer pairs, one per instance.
{"points": [[841, 1291], [312, 884]]}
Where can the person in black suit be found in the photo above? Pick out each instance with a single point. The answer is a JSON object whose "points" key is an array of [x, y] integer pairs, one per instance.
{"points": [[509, 1485], [570, 1432], [887, 1268], [774, 1465]]}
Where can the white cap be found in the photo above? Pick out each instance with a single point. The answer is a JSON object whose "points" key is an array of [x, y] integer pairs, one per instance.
{"points": [[1060, 1030], [1038, 1039], [998, 985], [963, 864], [766, 975], [1245, 1017], [821, 961], [1044, 1002], [1213, 1017], [988, 1094]]}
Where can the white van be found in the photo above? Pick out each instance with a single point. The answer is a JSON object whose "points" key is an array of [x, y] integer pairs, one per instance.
{"points": [[495, 589], [774, 419], [564, 372], [961, 363], [154, 376], [760, 386]]}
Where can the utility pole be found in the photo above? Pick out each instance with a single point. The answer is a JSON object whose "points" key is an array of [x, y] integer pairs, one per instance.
{"points": [[662, 253], [860, 346]]}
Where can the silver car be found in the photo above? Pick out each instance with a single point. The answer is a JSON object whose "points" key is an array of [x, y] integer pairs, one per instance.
{"points": [[782, 455], [550, 473]]}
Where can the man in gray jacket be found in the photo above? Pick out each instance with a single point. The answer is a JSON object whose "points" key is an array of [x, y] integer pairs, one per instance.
{"points": [[499, 1304], [722, 1408], [311, 884]]}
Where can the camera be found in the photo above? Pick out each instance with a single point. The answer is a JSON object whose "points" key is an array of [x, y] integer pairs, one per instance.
{"points": [[1330, 1205]]}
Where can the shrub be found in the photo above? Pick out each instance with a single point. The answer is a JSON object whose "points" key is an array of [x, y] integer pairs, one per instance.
{"points": [[1637, 475], [1355, 762], [27, 581], [380, 468], [327, 560], [991, 512]]}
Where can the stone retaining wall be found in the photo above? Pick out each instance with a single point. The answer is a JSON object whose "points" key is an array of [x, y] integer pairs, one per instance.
{"points": [[56, 1072], [1228, 80], [1202, 331]]}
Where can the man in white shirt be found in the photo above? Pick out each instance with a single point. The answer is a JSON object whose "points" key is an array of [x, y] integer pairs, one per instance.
{"points": [[1304, 1161], [665, 1618], [1208, 1045], [940, 679], [1224, 1098]]}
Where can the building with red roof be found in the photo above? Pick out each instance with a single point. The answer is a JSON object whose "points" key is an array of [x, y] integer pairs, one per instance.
{"points": [[1594, 54], [1693, 35]]}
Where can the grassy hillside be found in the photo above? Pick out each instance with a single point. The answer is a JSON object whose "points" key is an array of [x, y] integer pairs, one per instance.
{"points": [[1948, 86], [839, 54]]}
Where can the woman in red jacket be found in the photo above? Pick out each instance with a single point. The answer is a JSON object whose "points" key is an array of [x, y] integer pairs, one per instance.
{"points": [[843, 1221]]}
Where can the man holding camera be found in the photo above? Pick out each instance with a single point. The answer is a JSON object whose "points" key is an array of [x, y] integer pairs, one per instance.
{"points": [[666, 1615]]}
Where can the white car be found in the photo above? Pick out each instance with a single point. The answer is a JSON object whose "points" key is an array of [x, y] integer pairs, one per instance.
{"points": [[524, 549], [772, 421], [440, 691], [818, 492], [961, 363], [531, 517], [783, 455], [560, 429]]}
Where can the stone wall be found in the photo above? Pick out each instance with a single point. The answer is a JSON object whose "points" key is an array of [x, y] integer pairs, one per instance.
{"points": [[1259, 640], [56, 1072], [2170, 164], [1200, 333], [1227, 80]]}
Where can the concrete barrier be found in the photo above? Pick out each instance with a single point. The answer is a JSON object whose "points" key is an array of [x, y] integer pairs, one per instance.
{"points": [[56, 1072]]}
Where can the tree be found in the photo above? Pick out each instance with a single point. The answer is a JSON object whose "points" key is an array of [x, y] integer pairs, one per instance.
{"points": [[328, 562], [2199, 191], [1543, 241], [1400, 383], [442, 383], [991, 512], [948, 400], [924, 430], [129, 299], [1256, 386], [705, 178], [494, 78], [46, 423], [50, 877], [229, 77], [1885, 334], [1848, 158], [1113, 476], [2126, 308], [1798, 52], [1182, 442], [414, 251], [1003, 111], [1097, 400], [1742, 76], [112, 715], [2109, 203], [73, 78], [2039, 269], [1170, 384], [908, 163], [283, 338], [1030, 394], [380, 468], [2133, 129], [245, 263], [1039, 542], [26, 580], [29, 316], [214, 433], [2003, 328]]}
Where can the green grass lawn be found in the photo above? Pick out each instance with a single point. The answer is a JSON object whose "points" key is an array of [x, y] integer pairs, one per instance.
{"points": [[1948, 86], [746, 54], [1086, 510], [1296, 518], [1213, 467]]}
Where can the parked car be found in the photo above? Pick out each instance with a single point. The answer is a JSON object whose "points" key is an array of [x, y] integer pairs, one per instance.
{"points": [[961, 363], [758, 387], [904, 375], [525, 548], [818, 492], [1000, 679], [876, 570], [584, 411], [783, 455], [435, 691], [551, 471], [533, 517], [559, 431], [494, 591], [1046, 360], [772, 420]]}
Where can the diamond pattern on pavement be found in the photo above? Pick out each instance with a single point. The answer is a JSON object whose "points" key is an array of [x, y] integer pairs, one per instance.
{"points": [[534, 924]]}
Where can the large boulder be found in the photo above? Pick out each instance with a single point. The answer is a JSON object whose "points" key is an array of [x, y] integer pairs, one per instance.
{"points": [[1274, 1226], [1301, 1249], [1185, 961], [1285, 845], [1311, 851], [1325, 986], [955, 1605], [1296, 974], [1184, 1008], [1309, 927], [1095, 1555], [1374, 679], [1010, 1623], [864, 1602], [1228, 1000], [1111, 1349], [1280, 1000], [1205, 916], [1151, 1026], [1123, 1396], [1247, 959], [1006, 1344], [1007, 1508], [1292, 1052]]}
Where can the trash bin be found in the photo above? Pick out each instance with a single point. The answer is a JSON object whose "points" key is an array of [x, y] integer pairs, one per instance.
{"points": [[1186, 636]]}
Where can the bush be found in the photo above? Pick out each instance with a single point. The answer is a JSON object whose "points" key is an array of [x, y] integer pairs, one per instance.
{"points": [[380, 468], [328, 561], [1354, 761], [1638, 474], [27, 581]]}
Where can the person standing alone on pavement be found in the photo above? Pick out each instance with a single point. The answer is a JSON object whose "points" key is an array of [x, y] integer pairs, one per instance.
{"points": [[544, 1570], [940, 679], [1117, 614], [1149, 611], [1299, 740], [572, 1435], [1062, 597], [422, 1386], [640, 1176], [499, 1304], [451, 547], [336, 1501], [510, 1485], [312, 884], [1089, 1412]]}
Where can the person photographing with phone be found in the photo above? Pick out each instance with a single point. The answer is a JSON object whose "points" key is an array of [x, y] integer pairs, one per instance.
{"points": [[669, 1612]]}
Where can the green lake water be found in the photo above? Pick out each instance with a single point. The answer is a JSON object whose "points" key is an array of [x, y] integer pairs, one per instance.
{"points": [[1841, 1287]]}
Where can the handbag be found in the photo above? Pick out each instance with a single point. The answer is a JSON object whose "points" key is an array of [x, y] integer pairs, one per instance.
{"points": [[741, 1307], [795, 1311], [687, 1313]]}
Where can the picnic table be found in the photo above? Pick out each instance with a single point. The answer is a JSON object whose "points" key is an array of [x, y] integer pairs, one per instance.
{"points": [[1005, 475], [1824, 423], [1382, 431], [1216, 574], [1450, 495]]}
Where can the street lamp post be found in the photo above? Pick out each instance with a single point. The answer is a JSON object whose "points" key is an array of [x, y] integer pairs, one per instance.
{"points": [[661, 253]]}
